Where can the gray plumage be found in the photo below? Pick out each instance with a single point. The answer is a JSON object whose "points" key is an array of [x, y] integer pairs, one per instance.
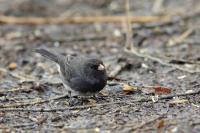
{"points": [[80, 75]]}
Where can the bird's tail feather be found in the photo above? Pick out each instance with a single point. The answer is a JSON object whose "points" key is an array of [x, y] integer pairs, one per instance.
{"points": [[49, 54]]}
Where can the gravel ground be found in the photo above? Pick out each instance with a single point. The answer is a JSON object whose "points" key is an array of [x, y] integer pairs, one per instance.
{"points": [[26, 77]]}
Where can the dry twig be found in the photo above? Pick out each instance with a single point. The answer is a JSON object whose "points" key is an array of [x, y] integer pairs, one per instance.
{"points": [[13, 90], [96, 105], [34, 101], [81, 20], [161, 61], [180, 38], [129, 32]]}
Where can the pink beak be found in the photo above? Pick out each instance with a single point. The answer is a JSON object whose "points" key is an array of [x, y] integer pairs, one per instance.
{"points": [[101, 67]]}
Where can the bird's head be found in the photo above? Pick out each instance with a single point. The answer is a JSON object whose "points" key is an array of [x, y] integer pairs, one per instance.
{"points": [[95, 67]]}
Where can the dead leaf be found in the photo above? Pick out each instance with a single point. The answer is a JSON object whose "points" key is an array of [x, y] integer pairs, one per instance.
{"points": [[161, 124], [162, 90], [148, 90], [156, 90], [128, 88]]}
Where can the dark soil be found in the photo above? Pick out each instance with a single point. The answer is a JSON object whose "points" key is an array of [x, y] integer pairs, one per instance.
{"points": [[36, 78]]}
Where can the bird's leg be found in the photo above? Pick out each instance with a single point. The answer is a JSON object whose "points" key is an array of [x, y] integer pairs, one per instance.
{"points": [[94, 96], [98, 97], [73, 99], [69, 93]]}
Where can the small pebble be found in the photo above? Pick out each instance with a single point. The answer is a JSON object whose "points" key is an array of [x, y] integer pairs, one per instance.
{"points": [[12, 66]]}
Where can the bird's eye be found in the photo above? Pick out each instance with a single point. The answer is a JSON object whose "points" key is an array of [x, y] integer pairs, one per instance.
{"points": [[94, 66]]}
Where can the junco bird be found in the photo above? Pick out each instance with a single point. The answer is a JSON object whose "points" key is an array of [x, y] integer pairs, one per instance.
{"points": [[80, 75]]}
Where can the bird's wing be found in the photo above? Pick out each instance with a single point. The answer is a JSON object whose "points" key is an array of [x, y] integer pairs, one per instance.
{"points": [[66, 67], [72, 67]]}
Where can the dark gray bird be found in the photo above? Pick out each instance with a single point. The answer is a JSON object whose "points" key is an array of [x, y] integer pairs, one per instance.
{"points": [[80, 75]]}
